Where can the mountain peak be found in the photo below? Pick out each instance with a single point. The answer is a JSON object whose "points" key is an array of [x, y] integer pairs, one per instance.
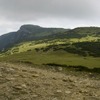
{"points": [[29, 27]]}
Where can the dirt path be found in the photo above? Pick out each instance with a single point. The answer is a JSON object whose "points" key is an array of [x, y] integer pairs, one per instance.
{"points": [[21, 82]]}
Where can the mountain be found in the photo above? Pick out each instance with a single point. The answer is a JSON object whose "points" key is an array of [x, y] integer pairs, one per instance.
{"points": [[84, 31], [27, 33], [40, 45], [34, 32]]}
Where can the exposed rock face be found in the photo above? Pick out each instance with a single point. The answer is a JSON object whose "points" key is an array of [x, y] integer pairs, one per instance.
{"points": [[21, 82]]}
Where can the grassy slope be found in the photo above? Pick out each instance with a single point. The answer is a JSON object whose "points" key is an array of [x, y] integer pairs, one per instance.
{"points": [[54, 57], [43, 43], [25, 52]]}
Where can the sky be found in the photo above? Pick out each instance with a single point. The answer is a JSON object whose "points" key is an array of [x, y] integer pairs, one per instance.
{"points": [[48, 13]]}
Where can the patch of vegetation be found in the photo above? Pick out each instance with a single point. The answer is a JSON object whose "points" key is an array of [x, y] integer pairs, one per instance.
{"points": [[76, 68], [80, 48], [59, 57]]}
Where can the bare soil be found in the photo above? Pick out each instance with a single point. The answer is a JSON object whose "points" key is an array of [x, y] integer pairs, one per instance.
{"points": [[26, 82]]}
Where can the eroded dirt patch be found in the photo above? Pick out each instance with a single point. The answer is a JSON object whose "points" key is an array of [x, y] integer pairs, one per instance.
{"points": [[23, 82]]}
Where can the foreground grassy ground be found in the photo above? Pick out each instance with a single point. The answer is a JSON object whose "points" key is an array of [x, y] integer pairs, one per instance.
{"points": [[31, 82], [58, 57]]}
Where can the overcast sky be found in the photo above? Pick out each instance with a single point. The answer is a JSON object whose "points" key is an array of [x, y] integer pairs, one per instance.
{"points": [[48, 13]]}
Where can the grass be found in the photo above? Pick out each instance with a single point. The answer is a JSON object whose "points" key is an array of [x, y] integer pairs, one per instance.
{"points": [[25, 46], [25, 52], [57, 57]]}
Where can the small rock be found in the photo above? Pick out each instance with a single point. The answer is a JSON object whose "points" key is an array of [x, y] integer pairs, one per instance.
{"points": [[16, 75], [75, 85], [67, 92], [70, 80], [60, 68], [17, 99], [54, 99], [54, 78], [23, 76], [88, 84], [64, 80], [20, 87], [70, 87], [32, 71], [17, 87], [35, 95], [24, 70], [10, 79], [24, 85], [35, 75], [59, 91], [83, 91], [91, 98], [10, 70], [0, 75]]}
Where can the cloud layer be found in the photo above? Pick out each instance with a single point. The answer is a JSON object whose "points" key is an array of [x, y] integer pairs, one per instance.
{"points": [[47, 12]]}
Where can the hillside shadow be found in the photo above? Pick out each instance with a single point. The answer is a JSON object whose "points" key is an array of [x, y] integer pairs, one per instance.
{"points": [[76, 68]]}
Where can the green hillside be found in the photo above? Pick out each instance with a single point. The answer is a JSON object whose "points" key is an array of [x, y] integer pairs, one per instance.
{"points": [[33, 32], [71, 52], [38, 45], [28, 33], [57, 57]]}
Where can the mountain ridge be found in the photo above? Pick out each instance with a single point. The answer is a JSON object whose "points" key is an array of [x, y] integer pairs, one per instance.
{"points": [[36, 45], [30, 32], [26, 33]]}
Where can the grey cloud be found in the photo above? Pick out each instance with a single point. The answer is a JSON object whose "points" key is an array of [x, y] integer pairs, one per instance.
{"points": [[49, 13], [27, 10]]}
